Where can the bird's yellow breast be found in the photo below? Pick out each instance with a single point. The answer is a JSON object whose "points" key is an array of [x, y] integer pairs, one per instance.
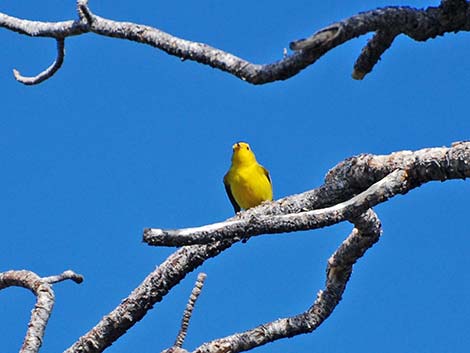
{"points": [[250, 185]]}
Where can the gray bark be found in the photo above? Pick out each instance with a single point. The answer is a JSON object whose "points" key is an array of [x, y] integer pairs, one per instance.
{"points": [[450, 16]]}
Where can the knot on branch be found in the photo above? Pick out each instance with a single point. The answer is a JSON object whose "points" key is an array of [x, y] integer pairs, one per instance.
{"points": [[319, 39], [356, 173]]}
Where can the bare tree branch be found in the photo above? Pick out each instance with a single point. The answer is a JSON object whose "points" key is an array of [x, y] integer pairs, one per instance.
{"points": [[389, 186], [365, 234], [189, 309], [370, 55], [349, 178], [64, 276], [420, 25], [49, 72], [452, 7], [355, 174], [55, 30], [84, 12], [350, 189], [42, 288], [388, 22], [152, 290]]}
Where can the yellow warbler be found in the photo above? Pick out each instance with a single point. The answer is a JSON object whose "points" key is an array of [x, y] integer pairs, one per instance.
{"points": [[247, 183]]}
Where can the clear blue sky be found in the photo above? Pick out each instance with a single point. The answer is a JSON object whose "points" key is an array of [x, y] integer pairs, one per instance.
{"points": [[126, 137]]}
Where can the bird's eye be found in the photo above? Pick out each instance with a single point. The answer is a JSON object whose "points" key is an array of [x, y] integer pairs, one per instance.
{"points": [[248, 148]]}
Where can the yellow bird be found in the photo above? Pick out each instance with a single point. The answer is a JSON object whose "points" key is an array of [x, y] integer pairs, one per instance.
{"points": [[247, 183]]}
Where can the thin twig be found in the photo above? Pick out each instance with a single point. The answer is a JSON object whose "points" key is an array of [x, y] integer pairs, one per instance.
{"points": [[49, 72], [64, 276], [189, 309]]}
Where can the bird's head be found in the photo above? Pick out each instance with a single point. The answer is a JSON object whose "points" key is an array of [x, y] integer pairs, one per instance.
{"points": [[242, 154]]}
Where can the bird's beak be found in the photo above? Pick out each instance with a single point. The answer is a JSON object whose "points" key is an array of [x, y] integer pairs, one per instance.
{"points": [[236, 146]]}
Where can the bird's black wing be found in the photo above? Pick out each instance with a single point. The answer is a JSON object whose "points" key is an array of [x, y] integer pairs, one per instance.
{"points": [[266, 172], [235, 205]]}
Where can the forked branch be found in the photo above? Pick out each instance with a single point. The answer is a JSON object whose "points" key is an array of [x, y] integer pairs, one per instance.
{"points": [[349, 178], [41, 287], [339, 268], [373, 179], [419, 24], [381, 191]]}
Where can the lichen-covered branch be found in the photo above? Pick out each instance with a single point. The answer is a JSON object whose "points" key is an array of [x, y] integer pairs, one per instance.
{"points": [[365, 234], [419, 24], [41, 287]]}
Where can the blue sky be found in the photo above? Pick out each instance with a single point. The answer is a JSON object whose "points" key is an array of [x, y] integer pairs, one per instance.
{"points": [[125, 137]]}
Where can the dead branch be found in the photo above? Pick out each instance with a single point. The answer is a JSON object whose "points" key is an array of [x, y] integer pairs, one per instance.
{"points": [[152, 290], [392, 184], [189, 310], [350, 189], [419, 24], [373, 179], [349, 178], [42, 289], [365, 234], [49, 72]]}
